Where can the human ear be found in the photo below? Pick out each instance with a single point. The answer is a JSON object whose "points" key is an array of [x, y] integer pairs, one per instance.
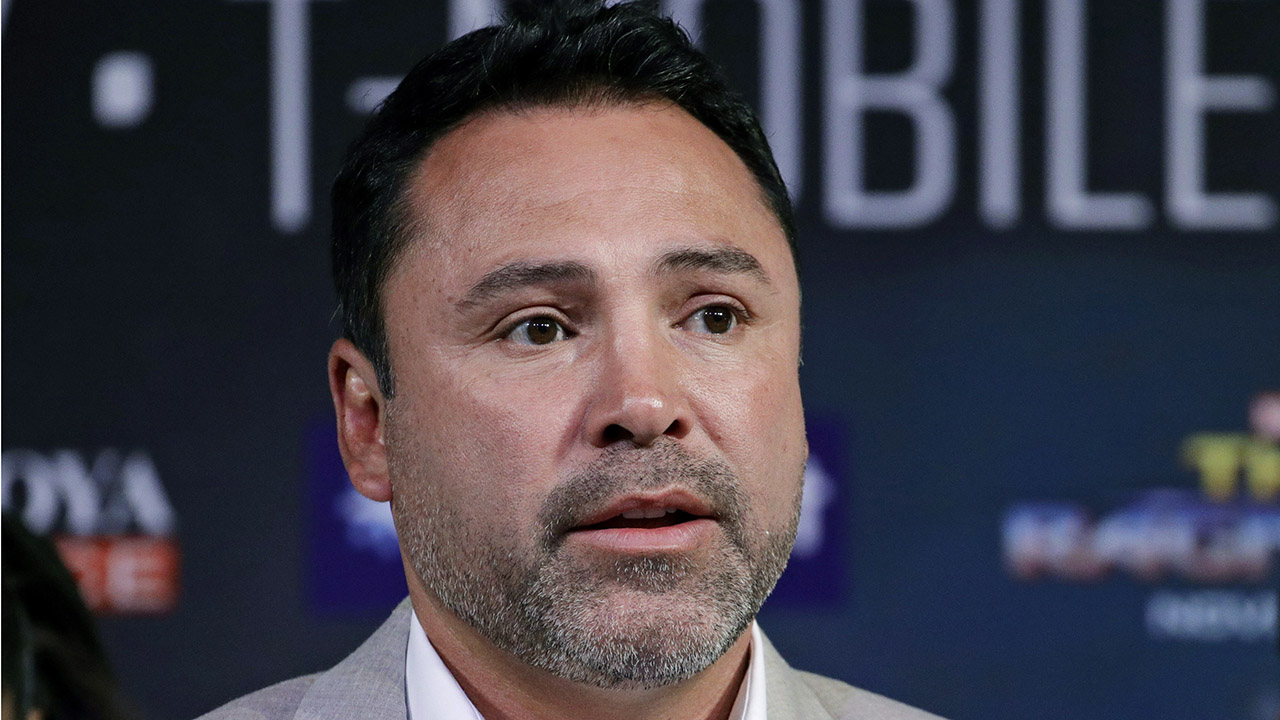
{"points": [[360, 409]]}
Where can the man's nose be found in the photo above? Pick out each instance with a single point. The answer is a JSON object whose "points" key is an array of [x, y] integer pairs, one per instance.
{"points": [[639, 395]]}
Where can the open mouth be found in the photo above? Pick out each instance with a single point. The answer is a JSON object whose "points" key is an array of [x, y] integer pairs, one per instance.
{"points": [[675, 521], [643, 519]]}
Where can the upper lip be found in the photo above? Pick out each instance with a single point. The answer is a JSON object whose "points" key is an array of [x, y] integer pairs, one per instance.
{"points": [[675, 499]]}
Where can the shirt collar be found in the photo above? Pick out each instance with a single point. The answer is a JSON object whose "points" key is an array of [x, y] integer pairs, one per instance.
{"points": [[430, 689], [750, 704], [433, 693]]}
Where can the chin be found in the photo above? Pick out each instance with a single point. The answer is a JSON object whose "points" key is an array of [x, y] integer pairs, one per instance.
{"points": [[644, 647], [651, 630]]}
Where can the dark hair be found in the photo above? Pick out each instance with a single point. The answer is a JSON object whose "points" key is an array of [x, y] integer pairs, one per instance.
{"points": [[53, 659], [558, 53]]}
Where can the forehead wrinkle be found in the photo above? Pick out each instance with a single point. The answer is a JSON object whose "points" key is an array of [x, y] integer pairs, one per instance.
{"points": [[455, 188]]}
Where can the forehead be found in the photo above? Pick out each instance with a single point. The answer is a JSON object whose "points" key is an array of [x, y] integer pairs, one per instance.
{"points": [[506, 182]]}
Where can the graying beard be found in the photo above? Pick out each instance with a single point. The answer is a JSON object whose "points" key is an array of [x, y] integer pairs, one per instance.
{"points": [[558, 622]]}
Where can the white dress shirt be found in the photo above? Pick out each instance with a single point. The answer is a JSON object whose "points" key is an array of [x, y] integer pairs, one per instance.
{"points": [[434, 694]]}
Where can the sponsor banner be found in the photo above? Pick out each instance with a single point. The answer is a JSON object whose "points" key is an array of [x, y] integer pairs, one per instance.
{"points": [[1212, 615], [110, 520], [354, 558], [1222, 542], [123, 574]]}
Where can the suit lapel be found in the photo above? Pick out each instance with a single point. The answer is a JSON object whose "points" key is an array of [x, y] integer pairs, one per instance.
{"points": [[787, 695], [369, 683]]}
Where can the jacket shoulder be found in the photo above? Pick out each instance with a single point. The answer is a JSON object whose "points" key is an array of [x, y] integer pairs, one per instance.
{"points": [[846, 701], [368, 684], [278, 702]]}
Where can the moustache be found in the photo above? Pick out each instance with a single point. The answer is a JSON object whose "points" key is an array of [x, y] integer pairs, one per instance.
{"points": [[624, 470]]}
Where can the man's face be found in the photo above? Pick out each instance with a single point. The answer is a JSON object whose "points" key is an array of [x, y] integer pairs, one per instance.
{"points": [[596, 443]]}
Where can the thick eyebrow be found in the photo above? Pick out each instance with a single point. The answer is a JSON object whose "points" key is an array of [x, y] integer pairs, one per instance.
{"points": [[521, 275], [730, 260]]}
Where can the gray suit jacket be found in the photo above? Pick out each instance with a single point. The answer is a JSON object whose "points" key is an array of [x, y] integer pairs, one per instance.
{"points": [[369, 683]]}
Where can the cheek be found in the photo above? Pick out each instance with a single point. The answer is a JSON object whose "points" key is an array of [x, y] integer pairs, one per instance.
{"points": [[754, 416], [452, 466], [492, 443]]}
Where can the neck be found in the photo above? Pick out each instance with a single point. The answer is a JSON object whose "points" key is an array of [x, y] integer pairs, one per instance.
{"points": [[503, 687]]}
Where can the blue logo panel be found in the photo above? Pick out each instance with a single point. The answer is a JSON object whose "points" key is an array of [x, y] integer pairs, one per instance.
{"points": [[354, 560], [816, 575]]}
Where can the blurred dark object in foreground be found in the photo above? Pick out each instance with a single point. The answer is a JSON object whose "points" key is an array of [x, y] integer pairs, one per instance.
{"points": [[54, 664]]}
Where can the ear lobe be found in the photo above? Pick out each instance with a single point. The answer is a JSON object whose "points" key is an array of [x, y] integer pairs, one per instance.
{"points": [[360, 410]]}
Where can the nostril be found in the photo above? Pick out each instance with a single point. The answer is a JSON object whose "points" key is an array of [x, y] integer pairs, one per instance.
{"points": [[617, 433]]}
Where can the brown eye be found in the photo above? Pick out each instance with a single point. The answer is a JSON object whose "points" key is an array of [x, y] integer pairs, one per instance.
{"points": [[537, 331], [716, 319]]}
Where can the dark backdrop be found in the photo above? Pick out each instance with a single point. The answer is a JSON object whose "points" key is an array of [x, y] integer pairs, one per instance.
{"points": [[1040, 298]]}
